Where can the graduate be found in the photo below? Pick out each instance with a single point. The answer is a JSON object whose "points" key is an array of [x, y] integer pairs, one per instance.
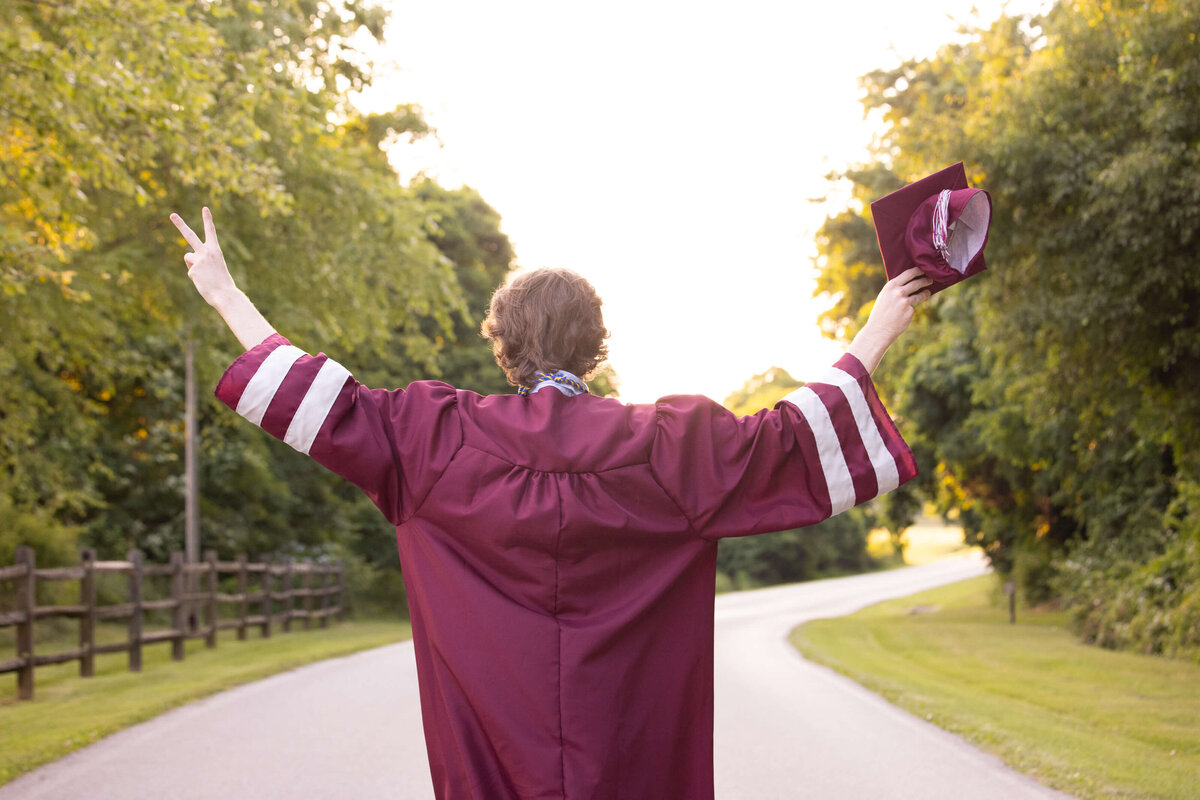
{"points": [[559, 549]]}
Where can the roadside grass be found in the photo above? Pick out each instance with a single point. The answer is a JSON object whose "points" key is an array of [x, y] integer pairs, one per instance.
{"points": [[1091, 722], [69, 712]]}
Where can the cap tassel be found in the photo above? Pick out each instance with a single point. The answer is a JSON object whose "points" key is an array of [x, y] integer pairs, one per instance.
{"points": [[941, 226]]}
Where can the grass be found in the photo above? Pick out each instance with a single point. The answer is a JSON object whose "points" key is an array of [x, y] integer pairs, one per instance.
{"points": [[1091, 722], [69, 712]]}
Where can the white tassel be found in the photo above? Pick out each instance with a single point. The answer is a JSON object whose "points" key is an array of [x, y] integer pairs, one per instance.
{"points": [[941, 219]]}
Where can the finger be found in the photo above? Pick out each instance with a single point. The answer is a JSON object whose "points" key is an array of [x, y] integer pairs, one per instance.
{"points": [[914, 286], [189, 259], [188, 235], [920, 297], [908, 275], [210, 230]]}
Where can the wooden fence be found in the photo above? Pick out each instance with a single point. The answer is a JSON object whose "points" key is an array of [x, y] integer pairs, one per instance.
{"points": [[185, 604]]}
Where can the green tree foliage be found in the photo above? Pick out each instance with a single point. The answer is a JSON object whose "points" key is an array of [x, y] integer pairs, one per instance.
{"points": [[466, 231], [1051, 401], [762, 391], [111, 121], [835, 546]]}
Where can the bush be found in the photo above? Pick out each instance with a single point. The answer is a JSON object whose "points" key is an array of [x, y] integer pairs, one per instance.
{"points": [[1034, 571], [834, 547], [371, 590], [52, 541], [1152, 607]]}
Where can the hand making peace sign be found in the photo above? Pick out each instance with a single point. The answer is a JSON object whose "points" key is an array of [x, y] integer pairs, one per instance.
{"points": [[206, 266]]}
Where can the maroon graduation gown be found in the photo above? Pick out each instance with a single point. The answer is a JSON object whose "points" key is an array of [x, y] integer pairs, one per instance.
{"points": [[559, 553]]}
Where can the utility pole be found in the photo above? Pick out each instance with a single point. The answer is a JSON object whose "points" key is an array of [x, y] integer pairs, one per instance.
{"points": [[191, 513]]}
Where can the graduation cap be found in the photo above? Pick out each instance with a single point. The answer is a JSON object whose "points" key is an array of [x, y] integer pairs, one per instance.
{"points": [[938, 224]]}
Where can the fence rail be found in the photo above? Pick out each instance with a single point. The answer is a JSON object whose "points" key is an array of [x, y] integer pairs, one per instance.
{"points": [[320, 591]]}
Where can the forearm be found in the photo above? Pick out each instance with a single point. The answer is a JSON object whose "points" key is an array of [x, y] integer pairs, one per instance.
{"points": [[869, 346], [248, 325], [890, 315]]}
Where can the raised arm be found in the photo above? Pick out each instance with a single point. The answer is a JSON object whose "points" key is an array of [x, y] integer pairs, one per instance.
{"points": [[824, 448], [891, 314], [210, 275]]}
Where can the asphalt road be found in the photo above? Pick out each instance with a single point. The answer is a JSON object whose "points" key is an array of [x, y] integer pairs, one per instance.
{"points": [[787, 728], [350, 727]]}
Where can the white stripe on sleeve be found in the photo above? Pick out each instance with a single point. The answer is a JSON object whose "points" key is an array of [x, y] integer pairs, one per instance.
{"points": [[263, 385], [315, 406], [886, 473], [829, 448]]}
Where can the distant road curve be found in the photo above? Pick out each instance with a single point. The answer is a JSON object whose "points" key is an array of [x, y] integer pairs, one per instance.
{"points": [[350, 727], [788, 728]]}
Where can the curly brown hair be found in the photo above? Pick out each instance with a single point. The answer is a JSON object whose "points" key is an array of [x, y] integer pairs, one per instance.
{"points": [[547, 319]]}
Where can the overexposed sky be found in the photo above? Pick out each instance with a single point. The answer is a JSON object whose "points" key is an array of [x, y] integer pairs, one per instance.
{"points": [[667, 151]]}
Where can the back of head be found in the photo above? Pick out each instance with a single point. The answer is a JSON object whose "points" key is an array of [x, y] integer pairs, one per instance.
{"points": [[546, 319]]}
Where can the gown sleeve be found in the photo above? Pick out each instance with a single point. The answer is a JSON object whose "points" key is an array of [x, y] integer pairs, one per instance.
{"points": [[391, 444], [824, 448]]}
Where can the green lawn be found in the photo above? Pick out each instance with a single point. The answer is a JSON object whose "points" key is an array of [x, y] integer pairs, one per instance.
{"points": [[69, 712], [1091, 722]]}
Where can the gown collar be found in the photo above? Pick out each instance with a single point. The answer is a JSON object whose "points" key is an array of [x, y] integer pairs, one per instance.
{"points": [[560, 379]]}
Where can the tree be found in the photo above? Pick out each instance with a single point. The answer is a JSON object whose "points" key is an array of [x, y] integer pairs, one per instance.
{"points": [[1053, 392], [112, 121]]}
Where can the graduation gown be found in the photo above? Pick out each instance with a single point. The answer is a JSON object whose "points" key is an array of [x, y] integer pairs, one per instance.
{"points": [[559, 553]]}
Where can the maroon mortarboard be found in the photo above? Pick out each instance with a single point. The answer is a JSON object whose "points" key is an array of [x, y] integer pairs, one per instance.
{"points": [[938, 224]]}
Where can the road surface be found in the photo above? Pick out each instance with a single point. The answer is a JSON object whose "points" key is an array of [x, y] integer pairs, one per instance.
{"points": [[350, 727]]}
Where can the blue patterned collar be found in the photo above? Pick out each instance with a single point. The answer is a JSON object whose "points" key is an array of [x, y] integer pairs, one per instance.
{"points": [[564, 381]]}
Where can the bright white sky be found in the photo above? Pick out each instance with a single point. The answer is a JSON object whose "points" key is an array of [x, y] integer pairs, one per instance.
{"points": [[667, 151]]}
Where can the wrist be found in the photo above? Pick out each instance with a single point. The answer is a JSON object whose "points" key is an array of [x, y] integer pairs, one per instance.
{"points": [[225, 299], [871, 335]]}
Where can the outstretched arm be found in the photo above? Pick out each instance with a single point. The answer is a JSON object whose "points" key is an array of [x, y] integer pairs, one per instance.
{"points": [[206, 268], [891, 314], [824, 448]]}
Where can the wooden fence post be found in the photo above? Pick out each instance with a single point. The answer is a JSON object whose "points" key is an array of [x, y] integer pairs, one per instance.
{"points": [[134, 557], [287, 594], [179, 610], [325, 595], [341, 592], [307, 585], [210, 608], [267, 602], [87, 623], [242, 589], [26, 603]]}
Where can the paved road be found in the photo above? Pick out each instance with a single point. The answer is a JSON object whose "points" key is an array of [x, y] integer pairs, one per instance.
{"points": [[350, 727], [787, 728]]}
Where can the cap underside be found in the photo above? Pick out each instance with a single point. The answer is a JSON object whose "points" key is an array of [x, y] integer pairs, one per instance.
{"points": [[969, 232]]}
